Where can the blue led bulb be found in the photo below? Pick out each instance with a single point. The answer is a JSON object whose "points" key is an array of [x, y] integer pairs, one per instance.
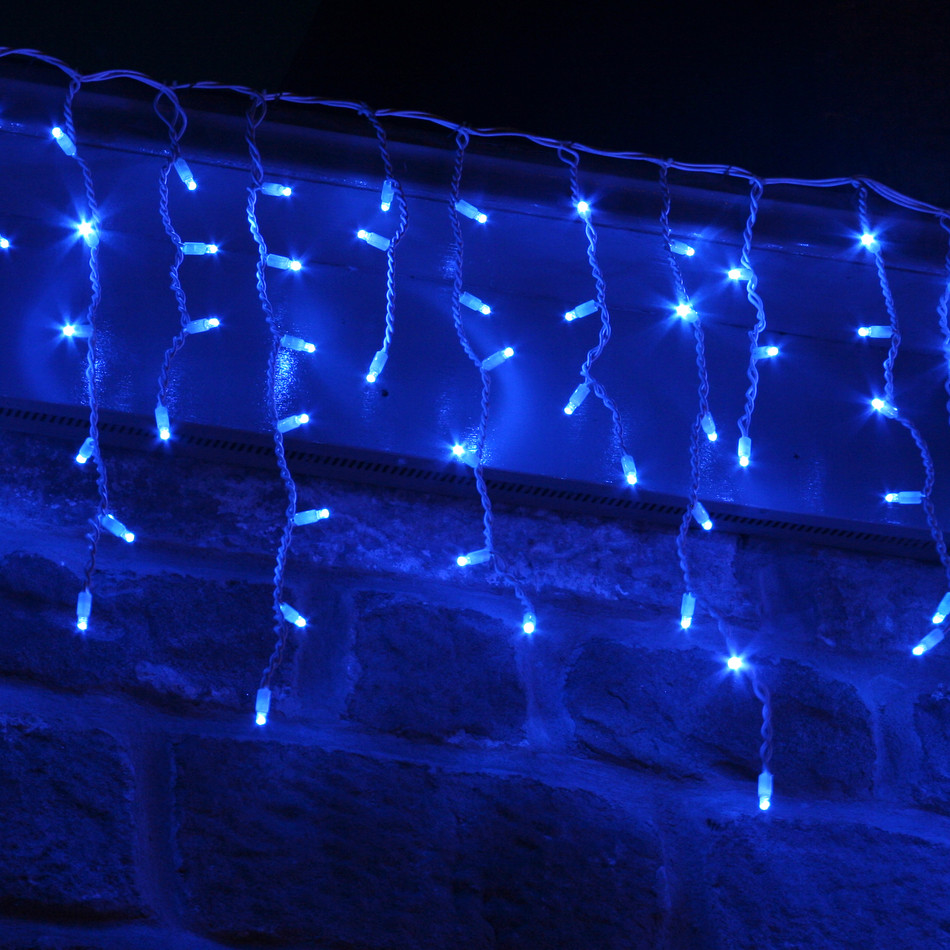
{"points": [[262, 706], [745, 451], [682, 248], [373, 239], [474, 303], [64, 141], [875, 332], [929, 642], [473, 557], [577, 397], [739, 273], [114, 526], [184, 173], [198, 248], [529, 622], [281, 262], [311, 515], [943, 608], [709, 427], [685, 312], [581, 310], [78, 331], [201, 326], [4, 243], [161, 423], [885, 408], [764, 352], [702, 516], [276, 190], [734, 663], [296, 343], [687, 608], [470, 211], [765, 790], [88, 233], [85, 451], [629, 469], [904, 497], [292, 616], [83, 609], [497, 358], [386, 196], [376, 366], [288, 423]]}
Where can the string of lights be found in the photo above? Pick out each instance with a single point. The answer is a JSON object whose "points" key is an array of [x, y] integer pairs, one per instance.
{"points": [[457, 206], [283, 419]]}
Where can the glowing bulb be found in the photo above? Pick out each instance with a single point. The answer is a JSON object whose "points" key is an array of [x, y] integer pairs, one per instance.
{"points": [[629, 469], [583, 208], [734, 663], [262, 706], [470, 211], [709, 427], [201, 326], [497, 358], [292, 422], [473, 303], [77, 331], [276, 190], [904, 497], [85, 451], [876, 332], [943, 608], [295, 343], [311, 515], [687, 608], [929, 642], [373, 239], [577, 397], [764, 352], [465, 455], [184, 173], [529, 623], [376, 366], [281, 262], [868, 239], [198, 247], [292, 616], [686, 312], [885, 408], [64, 141], [114, 526], [386, 197], [473, 557], [739, 273], [702, 516], [582, 310], [4, 243], [765, 790], [745, 451], [83, 609], [161, 423], [88, 233], [682, 248]]}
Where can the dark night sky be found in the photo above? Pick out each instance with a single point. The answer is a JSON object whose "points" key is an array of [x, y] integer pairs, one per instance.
{"points": [[809, 89]]}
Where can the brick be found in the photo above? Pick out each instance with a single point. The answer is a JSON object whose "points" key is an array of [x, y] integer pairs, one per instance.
{"points": [[67, 828]]}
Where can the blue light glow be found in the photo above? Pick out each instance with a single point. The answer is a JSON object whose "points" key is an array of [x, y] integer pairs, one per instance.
{"points": [[376, 366], [296, 343], [765, 790], [929, 642], [868, 239], [687, 608], [709, 427], [88, 233], [275, 190], [470, 211], [64, 141], [281, 262], [943, 608], [386, 196], [734, 663], [764, 352], [292, 616], [162, 423], [682, 248], [583, 208], [85, 451], [473, 557], [198, 248], [497, 358], [474, 303], [4, 244], [738, 273], [201, 326], [745, 451], [311, 515], [904, 497], [885, 408], [373, 239], [702, 516], [83, 609], [114, 526], [577, 397], [262, 706], [629, 469], [288, 423], [876, 332], [77, 331], [581, 310], [184, 173], [686, 312], [529, 623]]}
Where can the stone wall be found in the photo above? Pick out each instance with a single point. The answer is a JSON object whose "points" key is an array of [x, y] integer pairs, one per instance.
{"points": [[430, 777]]}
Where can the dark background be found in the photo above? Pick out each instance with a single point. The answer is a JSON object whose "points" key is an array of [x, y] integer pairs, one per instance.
{"points": [[803, 89]]}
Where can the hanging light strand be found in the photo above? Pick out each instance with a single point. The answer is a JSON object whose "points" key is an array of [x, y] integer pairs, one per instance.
{"points": [[942, 306], [176, 123], [572, 160], [683, 297], [752, 281], [256, 111], [92, 207], [495, 561], [401, 225]]}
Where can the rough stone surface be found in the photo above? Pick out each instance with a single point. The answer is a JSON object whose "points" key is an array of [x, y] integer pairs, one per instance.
{"points": [[680, 712], [434, 672], [383, 854], [809, 885], [66, 823]]}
